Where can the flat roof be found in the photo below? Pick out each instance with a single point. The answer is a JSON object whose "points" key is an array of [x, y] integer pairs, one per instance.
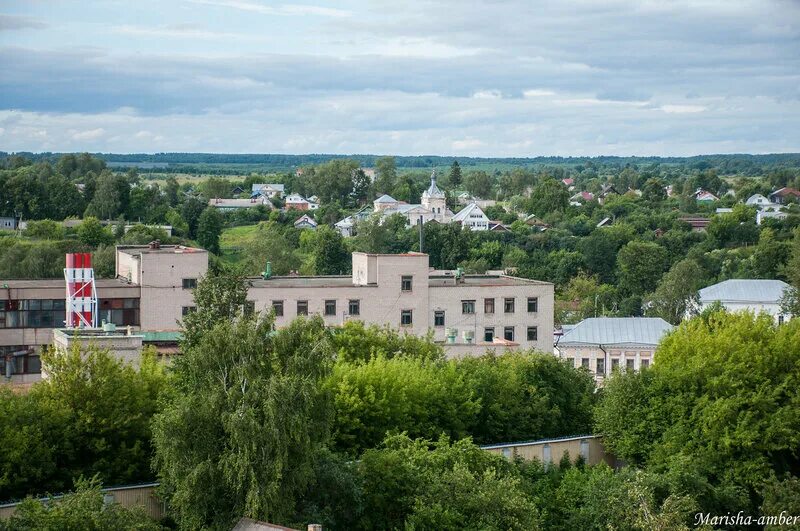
{"points": [[45, 283], [538, 441], [163, 249], [448, 281]]}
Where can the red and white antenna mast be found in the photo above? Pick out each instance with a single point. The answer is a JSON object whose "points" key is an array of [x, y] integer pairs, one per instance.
{"points": [[81, 291]]}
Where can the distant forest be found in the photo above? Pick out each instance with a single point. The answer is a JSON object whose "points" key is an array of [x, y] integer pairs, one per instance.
{"points": [[246, 163]]}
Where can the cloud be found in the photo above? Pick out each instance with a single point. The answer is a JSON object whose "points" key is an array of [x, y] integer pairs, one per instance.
{"points": [[91, 134], [14, 22], [682, 109], [502, 78], [283, 10]]}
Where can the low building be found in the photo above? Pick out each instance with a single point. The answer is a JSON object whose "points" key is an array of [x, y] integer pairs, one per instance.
{"points": [[785, 195], [298, 202], [604, 344], [433, 206], [770, 213], [758, 200], [122, 344], [472, 217], [9, 222], [755, 295], [267, 190], [305, 222], [704, 196], [697, 223], [236, 204], [551, 451]]}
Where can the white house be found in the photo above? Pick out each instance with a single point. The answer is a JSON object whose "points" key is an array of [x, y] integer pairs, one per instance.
{"points": [[298, 202], [756, 295], [473, 217], [704, 196], [603, 344], [775, 213], [757, 200], [268, 190]]}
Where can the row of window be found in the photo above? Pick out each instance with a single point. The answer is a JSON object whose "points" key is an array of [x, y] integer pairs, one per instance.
{"points": [[509, 333], [21, 359], [600, 364], [51, 313], [509, 304]]}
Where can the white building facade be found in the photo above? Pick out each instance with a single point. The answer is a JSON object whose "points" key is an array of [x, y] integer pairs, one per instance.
{"points": [[755, 295]]}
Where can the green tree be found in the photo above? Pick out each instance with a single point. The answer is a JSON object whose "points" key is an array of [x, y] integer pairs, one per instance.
{"points": [[640, 266], [449, 486], [653, 190], [327, 254], [93, 233], [270, 244], [216, 298], [190, 211], [362, 186], [209, 229], [548, 196], [479, 184], [45, 229], [238, 436], [791, 299], [386, 175], [454, 179], [676, 292], [171, 189], [720, 402]]}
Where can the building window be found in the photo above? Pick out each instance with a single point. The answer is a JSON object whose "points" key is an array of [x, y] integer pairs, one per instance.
{"points": [[438, 318], [189, 283], [601, 366], [533, 304], [585, 363], [488, 305], [277, 307], [533, 333], [186, 310], [354, 307], [302, 307], [629, 365], [406, 283], [614, 364], [249, 307], [488, 334], [507, 453], [330, 307], [585, 450], [508, 333], [467, 307], [547, 457], [780, 319], [405, 318], [508, 305], [121, 312], [644, 364]]}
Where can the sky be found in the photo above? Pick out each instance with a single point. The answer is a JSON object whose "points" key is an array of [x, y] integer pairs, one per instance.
{"points": [[414, 77]]}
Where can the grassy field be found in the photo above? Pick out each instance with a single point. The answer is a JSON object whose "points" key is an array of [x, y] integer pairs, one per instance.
{"points": [[233, 240]]}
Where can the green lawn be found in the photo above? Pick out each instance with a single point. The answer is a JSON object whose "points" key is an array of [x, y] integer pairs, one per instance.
{"points": [[233, 240]]}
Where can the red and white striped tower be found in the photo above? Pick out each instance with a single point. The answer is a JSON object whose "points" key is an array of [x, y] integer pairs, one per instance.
{"points": [[81, 291]]}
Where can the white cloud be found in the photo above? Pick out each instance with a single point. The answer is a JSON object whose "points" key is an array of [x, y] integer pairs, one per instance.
{"points": [[467, 144], [487, 95], [91, 134], [537, 93], [285, 9], [682, 109]]}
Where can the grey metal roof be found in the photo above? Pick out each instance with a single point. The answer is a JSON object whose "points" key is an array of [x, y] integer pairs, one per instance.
{"points": [[617, 331], [464, 213], [744, 290], [386, 198], [433, 190], [275, 186]]}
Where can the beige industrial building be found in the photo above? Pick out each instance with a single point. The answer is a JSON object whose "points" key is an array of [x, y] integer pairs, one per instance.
{"points": [[468, 314], [550, 451]]}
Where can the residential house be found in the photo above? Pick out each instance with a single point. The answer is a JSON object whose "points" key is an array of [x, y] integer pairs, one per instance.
{"points": [[604, 344], [580, 198], [756, 295], [237, 191], [268, 190], [775, 213], [697, 223], [297, 202], [785, 195], [606, 191], [9, 222], [758, 200], [305, 222], [704, 196], [347, 226], [473, 217]]}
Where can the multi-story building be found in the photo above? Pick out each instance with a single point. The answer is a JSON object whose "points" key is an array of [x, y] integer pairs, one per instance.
{"points": [[468, 314], [604, 344]]}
